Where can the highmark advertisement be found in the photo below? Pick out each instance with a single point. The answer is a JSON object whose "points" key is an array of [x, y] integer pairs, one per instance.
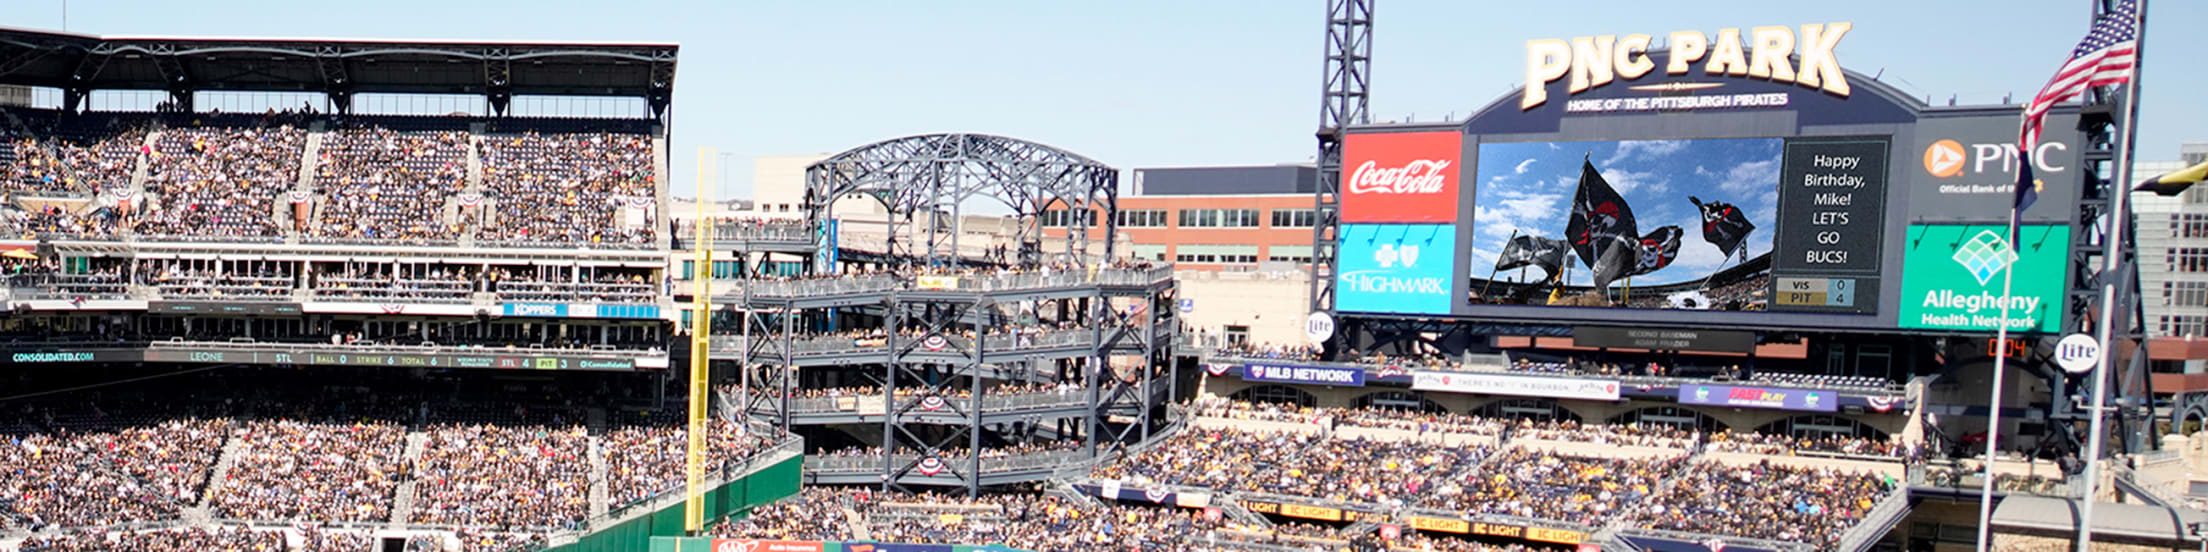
{"points": [[1396, 268], [1951, 277]]}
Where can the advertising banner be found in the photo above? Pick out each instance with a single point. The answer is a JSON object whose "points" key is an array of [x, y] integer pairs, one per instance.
{"points": [[1396, 268], [1962, 169], [1525, 386], [1322, 375], [1951, 277], [1507, 530], [1813, 400], [1400, 176], [936, 282], [1307, 511], [870, 546], [754, 545]]}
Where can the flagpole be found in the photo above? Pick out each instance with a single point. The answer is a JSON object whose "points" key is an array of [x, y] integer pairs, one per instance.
{"points": [[1498, 257], [2000, 367], [2111, 261]]}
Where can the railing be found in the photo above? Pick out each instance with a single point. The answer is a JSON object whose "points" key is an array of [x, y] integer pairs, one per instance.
{"points": [[227, 292], [411, 297], [418, 242], [872, 463], [1954, 476], [34, 287], [990, 402], [527, 244], [179, 342], [995, 343], [810, 288], [1681, 536], [1875, 522], [749, 231], [1231, 357], [984, 282]]}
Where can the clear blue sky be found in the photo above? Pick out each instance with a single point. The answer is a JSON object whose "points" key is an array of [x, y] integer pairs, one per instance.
{"points": [[1145, 83]]}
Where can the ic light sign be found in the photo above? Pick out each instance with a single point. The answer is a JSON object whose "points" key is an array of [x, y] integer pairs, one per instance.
{"points": [[1591, 62]]}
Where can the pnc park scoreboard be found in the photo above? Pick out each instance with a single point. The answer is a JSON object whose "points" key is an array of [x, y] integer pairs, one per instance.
{"points": [[1740, 179]]}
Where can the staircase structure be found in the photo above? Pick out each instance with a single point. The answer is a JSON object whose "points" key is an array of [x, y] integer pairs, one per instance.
{"points": [[402, 506], [600, 492], [232, 448]]}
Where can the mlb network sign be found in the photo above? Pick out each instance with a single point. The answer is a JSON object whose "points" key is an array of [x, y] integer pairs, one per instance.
{"points": [[1348, 377], [1396, 268]]}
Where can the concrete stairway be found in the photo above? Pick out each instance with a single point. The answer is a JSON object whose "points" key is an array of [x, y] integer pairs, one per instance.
{"points": [[310, 160], [142, 165], [859, 528], [600, 490], [232, 448], [402, 506]]}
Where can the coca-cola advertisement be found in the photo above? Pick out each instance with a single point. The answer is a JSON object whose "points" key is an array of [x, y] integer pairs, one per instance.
{"points": [[1400, 176], [1635, 219]]}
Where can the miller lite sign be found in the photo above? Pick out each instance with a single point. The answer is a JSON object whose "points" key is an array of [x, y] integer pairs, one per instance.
{"points": [[1400, 176]]}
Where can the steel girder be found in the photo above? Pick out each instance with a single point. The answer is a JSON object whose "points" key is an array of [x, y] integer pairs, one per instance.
{"points": [[925, 182], [1346, 92]]}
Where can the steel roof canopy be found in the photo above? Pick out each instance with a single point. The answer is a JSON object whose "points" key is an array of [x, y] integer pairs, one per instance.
{"points": [[81, 62]]}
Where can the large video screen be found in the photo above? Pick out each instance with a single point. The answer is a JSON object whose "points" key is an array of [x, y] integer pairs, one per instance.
{"points": [[1744, 224]]}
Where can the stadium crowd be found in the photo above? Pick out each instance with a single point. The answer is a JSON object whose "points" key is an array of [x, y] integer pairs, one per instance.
{"points": [[382, 184], [642, 461], [1763, 443], [1765, 501], [566, 187], [189, 539], [96, 478], [1217, 458], [516, 478], [316, 472], [1030, 520], [1544, 485], [217, 176], [72, 160], [220, 182], [1376, 418]]}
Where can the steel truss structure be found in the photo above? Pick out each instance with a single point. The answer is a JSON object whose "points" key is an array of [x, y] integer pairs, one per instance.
{"points": [[926, 183], [79, 64], [1346, 93], [939, 351]]}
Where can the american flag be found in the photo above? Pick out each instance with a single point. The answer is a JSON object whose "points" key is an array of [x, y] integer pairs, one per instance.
{"points": [[2104, 58]]}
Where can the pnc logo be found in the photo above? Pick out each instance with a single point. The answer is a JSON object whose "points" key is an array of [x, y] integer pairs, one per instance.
{"points": [[1947, 158], [1944, 159]]}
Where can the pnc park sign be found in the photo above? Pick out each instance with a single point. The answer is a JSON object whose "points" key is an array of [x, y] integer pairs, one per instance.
{"points": [[1764, 53]]}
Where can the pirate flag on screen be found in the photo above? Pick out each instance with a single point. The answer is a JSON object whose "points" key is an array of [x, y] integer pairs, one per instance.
{"points": [[1658, 248], [1602, 229], [1537, 251], [1723, 225]]}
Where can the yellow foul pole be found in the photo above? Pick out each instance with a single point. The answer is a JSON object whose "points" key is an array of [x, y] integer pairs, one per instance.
{"points": [[701, 325]]}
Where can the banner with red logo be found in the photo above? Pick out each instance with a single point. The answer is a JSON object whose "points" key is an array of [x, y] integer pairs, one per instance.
{"points": [[751, 545], [1400, 176]]}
